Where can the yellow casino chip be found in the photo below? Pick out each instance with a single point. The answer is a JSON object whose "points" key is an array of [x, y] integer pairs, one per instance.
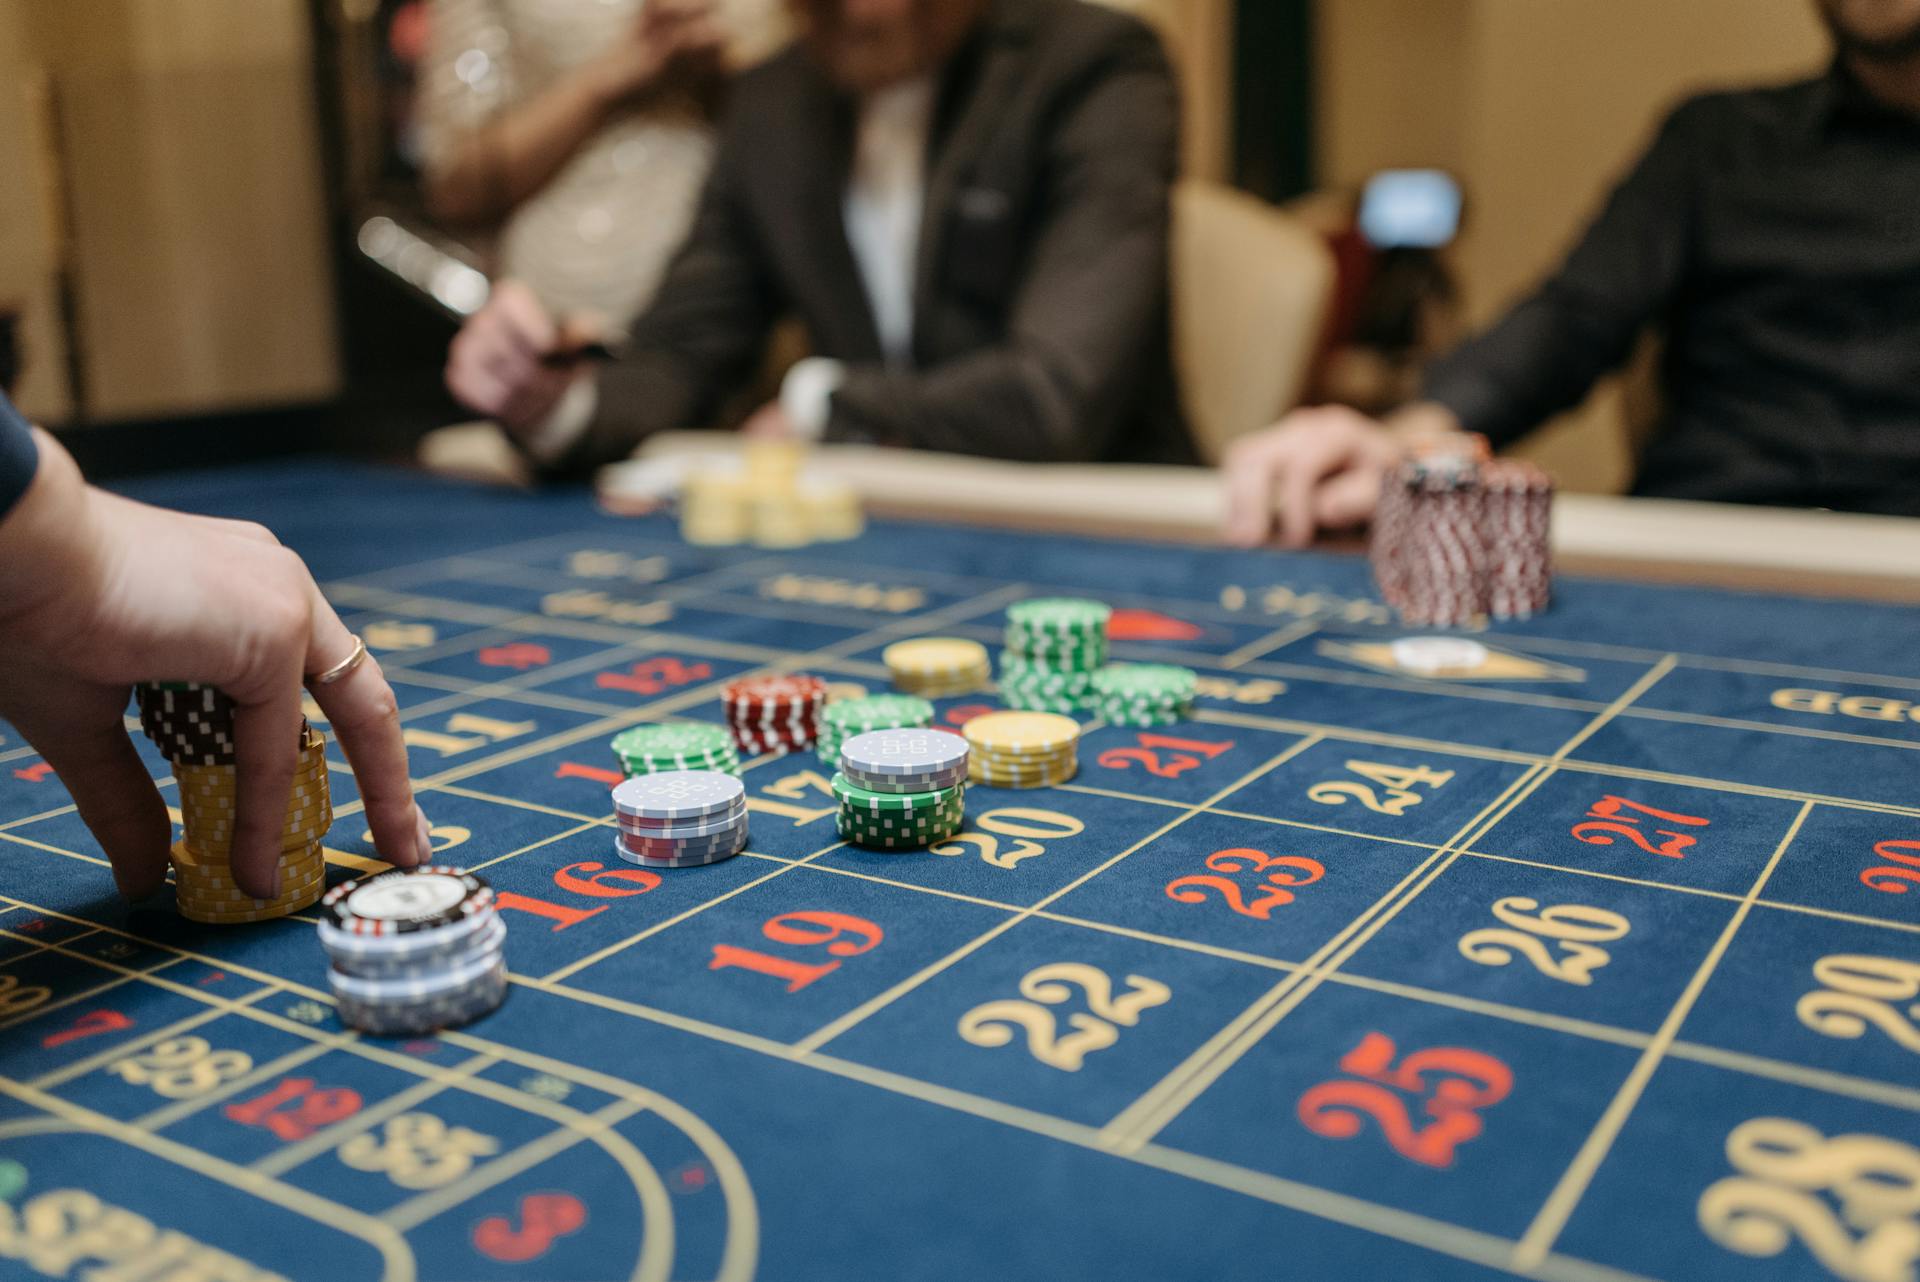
{"points": [[935, 656], [1022, 734]]}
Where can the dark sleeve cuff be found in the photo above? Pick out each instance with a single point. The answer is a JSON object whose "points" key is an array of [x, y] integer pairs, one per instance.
{"points": [[1476, 400], [19, 456]]}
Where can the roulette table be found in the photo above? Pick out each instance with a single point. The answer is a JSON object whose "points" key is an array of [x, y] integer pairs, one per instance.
{"points": [[1585, 947]]}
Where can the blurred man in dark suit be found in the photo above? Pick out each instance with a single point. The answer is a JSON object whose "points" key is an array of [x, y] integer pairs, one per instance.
{"points": [[1772, 236], [966, 204]]}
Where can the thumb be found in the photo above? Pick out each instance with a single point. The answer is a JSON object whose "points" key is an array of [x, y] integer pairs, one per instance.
{"points": [[578, 329]]}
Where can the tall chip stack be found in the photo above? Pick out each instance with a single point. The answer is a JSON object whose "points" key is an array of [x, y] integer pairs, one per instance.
{"points": [[1023, 749], [770, 500], [679, 818], [901, 789], [192, 725], [414, 951], [1458, 535], [1054, 645], [1144, 694], [1518, 537], [678, 745], [849, 717], [775, 714]]}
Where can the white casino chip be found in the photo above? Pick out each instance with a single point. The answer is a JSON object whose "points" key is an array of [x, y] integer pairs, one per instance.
{"points": [[1429, 655]]}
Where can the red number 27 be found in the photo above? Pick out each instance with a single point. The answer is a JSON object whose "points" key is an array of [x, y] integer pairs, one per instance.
{"points": [[1605, 819]]}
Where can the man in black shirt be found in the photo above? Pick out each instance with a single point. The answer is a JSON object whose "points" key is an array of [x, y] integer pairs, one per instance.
{"points": [[1773, 236], [98, 592]]}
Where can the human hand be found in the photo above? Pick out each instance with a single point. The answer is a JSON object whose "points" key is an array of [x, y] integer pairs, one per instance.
{"points": [[673, 41], [770, 422], [1324, 465], [501, 362], [101, 592]]}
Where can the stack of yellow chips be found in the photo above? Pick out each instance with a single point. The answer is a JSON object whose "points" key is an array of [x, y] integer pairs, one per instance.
{"points": [[770, 502], [1022, 749], [831, 509], [716, 510], [936, 667], [204, 883]]}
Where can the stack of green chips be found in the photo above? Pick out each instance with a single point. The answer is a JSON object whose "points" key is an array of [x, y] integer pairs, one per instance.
{"points": [[676, 745], [1054, 645], [841, 721], [899, 820], [1143, 694]]}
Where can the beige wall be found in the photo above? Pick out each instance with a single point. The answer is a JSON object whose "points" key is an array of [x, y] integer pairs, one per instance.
{"points": [[189, 159], [27, 256], [1538, 105]]}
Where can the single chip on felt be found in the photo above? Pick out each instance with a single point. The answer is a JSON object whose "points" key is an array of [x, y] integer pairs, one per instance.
{"points": [[935, 656], [1437, 654]]}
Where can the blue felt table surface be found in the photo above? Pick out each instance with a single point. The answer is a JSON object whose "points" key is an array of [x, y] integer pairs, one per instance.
{"points": [[1599, 960]]}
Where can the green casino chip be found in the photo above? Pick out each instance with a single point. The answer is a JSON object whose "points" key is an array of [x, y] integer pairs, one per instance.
{"points": [[672, 739], [1145, 682], [877, 712], [1043, 703], [853, 796], [1059, 616], [1046, 659], [898, 820]]}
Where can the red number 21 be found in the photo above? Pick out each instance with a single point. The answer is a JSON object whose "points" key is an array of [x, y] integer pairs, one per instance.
{"points": [[1183, 754]]}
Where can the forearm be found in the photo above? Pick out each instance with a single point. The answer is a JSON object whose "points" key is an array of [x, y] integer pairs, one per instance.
{"points": [[509, 158], [1540, 359], [1545, 355], [643, 393], [1004, 403], [19, 458], [44, 536]]}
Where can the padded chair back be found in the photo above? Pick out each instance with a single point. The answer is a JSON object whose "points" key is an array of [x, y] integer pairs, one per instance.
{"points": [[1251, 288]]}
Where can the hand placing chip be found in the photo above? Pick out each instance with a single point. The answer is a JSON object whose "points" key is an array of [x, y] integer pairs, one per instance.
{"points": [[100, 593]]}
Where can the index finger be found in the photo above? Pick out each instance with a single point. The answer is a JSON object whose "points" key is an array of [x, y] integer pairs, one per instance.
{"points": [[366, 720], [266, 749], [1311, 464], [1250, 474], [523, 318]]}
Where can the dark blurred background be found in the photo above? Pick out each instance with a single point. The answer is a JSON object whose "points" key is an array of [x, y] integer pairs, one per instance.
{"points": [[214, 243]]}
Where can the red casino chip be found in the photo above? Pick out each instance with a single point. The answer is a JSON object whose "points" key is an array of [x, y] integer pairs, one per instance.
{"points": [[775, 714], [786, 689], [1517, 526]]}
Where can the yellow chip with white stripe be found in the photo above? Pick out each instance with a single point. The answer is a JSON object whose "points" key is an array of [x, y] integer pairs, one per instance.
{"points": [[1022, 734], [935, 656]]}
